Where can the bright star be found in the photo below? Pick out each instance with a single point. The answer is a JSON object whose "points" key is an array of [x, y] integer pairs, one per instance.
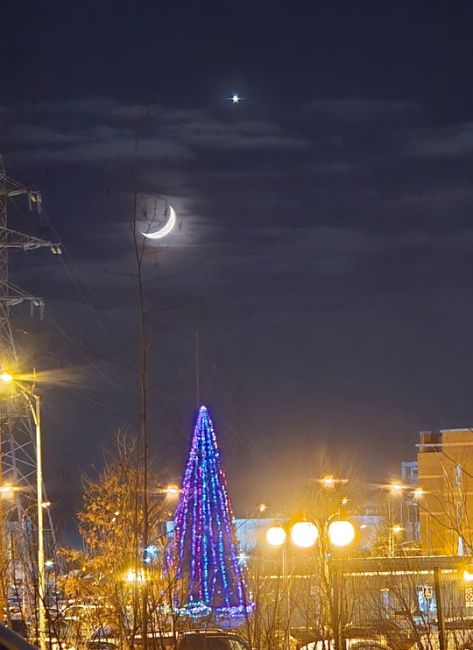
{"points": [[236, 99]]}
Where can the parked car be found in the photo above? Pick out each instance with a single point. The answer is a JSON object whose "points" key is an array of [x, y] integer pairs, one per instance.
{"points": [[211, 640], [100, 644], [106, 640]]}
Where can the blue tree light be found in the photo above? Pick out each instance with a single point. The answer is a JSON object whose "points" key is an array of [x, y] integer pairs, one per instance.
{"points": [[205, 551]]}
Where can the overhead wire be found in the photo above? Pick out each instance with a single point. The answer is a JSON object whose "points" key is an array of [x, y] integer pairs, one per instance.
{"points": [[96, 402], [75, 282], [88, 355], [86, 284]]}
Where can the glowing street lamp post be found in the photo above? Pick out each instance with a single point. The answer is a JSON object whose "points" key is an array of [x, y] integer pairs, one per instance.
{"points": [[5, 491], [36, 411], [396, 492], [340, 533], [277, 536], [34, 404], [336, 532]]}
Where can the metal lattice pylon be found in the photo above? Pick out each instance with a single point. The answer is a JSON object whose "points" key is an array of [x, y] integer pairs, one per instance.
{"points": [[17, 449]]}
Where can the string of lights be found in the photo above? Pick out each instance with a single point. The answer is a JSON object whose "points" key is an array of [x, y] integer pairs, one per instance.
{"points": [[205, 548]]}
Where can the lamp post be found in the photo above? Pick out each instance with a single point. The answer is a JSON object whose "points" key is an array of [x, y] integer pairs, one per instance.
{"points": [[337, 533], [33, 401], [277, 536], [35, 407], [304, 534], [396, 491]]}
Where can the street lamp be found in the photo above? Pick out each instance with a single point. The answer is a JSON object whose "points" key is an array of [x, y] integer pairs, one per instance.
{"points": [[134, 577], [467, 575], [418, 493], [167, 491], [328, 481], [276, 535], [172, 491], [6, 490], [304, 534], [396, 490], [341, 533], [33, 401]]}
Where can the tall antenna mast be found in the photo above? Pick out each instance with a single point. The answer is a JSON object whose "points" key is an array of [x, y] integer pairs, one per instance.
{"points": [[17, 451], [197, 376]]}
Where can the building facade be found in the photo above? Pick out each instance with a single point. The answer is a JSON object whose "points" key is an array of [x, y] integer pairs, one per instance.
{"points": [[445, 465], [410, 505]]}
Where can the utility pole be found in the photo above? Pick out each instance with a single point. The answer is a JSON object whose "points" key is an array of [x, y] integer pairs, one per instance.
{"points": [[35, 406], [19, 454], [287, 597], [336, 604], [3, 557]]}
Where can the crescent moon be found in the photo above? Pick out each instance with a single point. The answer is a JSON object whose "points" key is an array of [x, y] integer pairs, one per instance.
{"points": [[166, 229]]}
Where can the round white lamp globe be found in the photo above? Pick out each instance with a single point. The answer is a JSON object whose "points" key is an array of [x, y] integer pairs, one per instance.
{"points": [[341, 533], [276, 535], [304, 534]]}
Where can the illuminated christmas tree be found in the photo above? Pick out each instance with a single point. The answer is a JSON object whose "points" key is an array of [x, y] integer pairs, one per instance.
{"points": [[206, 556]]}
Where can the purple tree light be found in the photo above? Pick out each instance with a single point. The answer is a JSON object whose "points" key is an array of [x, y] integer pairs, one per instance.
{"points": [[205, 551]]}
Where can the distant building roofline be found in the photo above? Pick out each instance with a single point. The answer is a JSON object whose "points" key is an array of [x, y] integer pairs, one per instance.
{"points": [[439, 445], [447, 430]]}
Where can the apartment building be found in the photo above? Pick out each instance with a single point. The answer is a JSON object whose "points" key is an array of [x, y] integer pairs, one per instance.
{"points": [[445, 468]]}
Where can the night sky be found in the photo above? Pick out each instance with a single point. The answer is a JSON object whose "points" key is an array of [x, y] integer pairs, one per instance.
{"points": [[324, 245]]}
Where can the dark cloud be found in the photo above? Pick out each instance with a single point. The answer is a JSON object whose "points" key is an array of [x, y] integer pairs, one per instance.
{"points": [[101, 130], [443, 141], [351, 111]]}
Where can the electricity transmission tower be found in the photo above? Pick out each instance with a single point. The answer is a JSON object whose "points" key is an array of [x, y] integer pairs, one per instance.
{"points": [[17, 449]]}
